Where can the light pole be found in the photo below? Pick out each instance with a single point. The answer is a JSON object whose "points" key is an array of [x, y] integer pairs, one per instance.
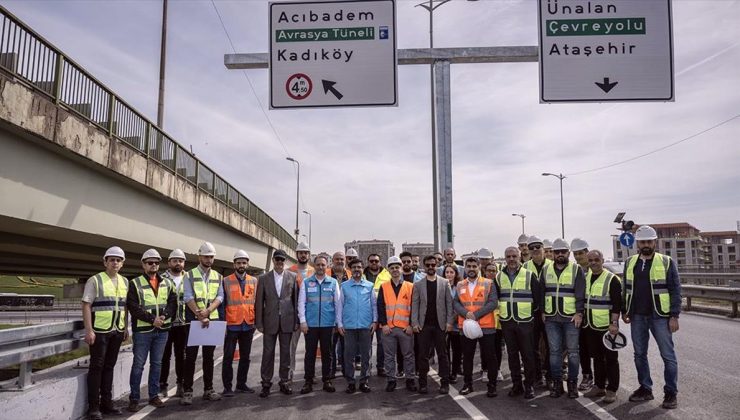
{"points": [[561, 177], [309, 227], [297, 193], [522, 216]]}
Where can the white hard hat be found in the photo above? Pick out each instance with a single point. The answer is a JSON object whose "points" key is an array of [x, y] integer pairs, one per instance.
{"points": [[645, 233], [472, 329], [207, 250], [614, 342], [151, 253], [547, 244], [534, 240], [522, 239], [352, 253], [560, 244], [241, 254], [115, 251], [393, 260], [302, 247], [578, 244], [485, 253], [177, 253]]}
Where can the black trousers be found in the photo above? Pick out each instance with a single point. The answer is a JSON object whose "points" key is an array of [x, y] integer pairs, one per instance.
{"points": [[244, 339], [541, 347], [176, 341], [314, 337], [499, 349], [191, 355], [103, 358], [583, 352], [454, 352], [606, 362], [519, 342], [488, 353], [432, 338]]}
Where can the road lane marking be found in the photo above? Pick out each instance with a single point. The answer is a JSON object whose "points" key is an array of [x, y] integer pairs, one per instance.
{"points": [[463, 402]]}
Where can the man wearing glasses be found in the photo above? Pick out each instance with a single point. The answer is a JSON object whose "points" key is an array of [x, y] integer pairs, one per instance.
{"points": [[536, 265], [579, 247], [377, 275], [152, 302]]}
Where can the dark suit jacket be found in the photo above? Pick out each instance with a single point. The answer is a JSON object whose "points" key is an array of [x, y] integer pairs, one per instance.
{"points": [[445, 311], [275, 313]]}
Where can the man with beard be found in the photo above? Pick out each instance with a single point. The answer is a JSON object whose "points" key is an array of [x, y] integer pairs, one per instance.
{"points": [[652, 297], [377, 275], [547, 245], [339, 272], [179, 331], [579, 248], [449, 258], [302, 270], [537, 265], [523, 249]]}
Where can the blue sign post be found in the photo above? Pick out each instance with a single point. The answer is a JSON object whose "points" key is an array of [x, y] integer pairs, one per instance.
{"points": [[627, 239]]}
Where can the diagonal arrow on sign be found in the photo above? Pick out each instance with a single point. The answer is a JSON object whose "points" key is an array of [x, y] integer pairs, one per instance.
{"points": [[606, 86], [329, 87]]}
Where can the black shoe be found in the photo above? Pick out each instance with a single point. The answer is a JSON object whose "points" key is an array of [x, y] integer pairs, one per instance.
{"points": [[572, 389], [466, 389], [491, 391], [557, 389], [329, 387], [286, 389], [364, 388], [391, 386], [265, 392], [423, 389], [641, 394], [453, 379], [133, 406], [411, 385], [516, 390], [228, 393], [95, 415], [307, 388], [540, 382], [244, 389], [333, 375], [110, 410], [670, 401], [381, 372], [351, 389], [528, 392]]}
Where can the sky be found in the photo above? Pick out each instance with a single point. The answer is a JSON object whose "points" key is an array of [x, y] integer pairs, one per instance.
{"points": [[366, 172]]}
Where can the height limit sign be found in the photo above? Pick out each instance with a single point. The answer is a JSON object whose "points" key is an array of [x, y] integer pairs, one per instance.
{"points": [[606, 50], [333, 54]]}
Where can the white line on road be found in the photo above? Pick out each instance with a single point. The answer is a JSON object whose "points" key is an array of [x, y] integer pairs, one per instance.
{"points": [[595, 409], [463, 402]]}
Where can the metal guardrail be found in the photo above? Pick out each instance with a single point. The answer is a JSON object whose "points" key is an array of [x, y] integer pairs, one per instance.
{"points": [[727, 294], [711, 279], [22, 346], [35, 61]]}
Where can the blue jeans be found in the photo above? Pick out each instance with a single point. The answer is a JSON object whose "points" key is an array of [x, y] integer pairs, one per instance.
{"points": [[556, 331], [641, 326], [147, 344]]}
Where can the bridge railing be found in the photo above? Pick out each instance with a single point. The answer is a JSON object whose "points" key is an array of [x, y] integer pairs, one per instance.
{"points": [[725, 294], [31, 59]]}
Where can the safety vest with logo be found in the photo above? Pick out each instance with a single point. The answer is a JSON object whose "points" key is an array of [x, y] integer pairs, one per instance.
{"points": [[109, 307], [320, 310], [516, 299], [152, 303], [205, 291], [301, 274], [239, 306], [476, 301], [560, 291], [658, 275], [180, 291], [598, 302], [397, 308], [357, 312]]}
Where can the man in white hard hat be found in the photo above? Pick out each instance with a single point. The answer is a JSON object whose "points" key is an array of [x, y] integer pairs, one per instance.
{"points": [[350, 256], [579, 248], [237, 310], [537, 264], [152, 303], [178, 335], [547, 246], [523, 249], [302, 270], [652, 303], [203, 293], [563, 302], [105, 317], [603, 306]]}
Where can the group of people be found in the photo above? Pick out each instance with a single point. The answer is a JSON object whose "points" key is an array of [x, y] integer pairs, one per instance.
{"points": [[538, 303]]}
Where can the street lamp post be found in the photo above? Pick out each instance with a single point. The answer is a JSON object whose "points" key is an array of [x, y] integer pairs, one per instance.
{"points": [[297, 193], [310, 223], [561, 177], [522, 216]]}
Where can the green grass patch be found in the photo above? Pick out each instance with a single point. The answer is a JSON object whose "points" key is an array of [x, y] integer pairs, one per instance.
{"points": [[9, 326], [35, 285]]}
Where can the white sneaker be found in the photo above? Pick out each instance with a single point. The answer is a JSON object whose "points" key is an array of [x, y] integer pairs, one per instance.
{"points": [[500, 376], [484, 376]]}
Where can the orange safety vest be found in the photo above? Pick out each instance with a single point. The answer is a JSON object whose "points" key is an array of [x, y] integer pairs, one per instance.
{"points": [[239, 307], [476, 301], [397, 308], [298, 277], [346, 271]]}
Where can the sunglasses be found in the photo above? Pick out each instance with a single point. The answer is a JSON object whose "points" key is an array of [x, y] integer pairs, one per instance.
{"points": [[151, 262], [534, 247], [279, 259], [560, 251], [430, 265]]}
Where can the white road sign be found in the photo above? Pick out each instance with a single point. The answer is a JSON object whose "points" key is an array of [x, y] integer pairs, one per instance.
{"points": [[608, 50], [333, 54]]}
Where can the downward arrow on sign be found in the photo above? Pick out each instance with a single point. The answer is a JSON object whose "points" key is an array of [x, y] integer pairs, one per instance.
{"points": [[606, 86]]}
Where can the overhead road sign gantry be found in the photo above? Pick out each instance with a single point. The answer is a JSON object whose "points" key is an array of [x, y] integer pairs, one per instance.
{"points": [[606, 51], [333, 54]]}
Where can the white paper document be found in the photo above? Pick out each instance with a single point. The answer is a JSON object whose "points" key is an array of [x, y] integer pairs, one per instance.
{"points": [[211, 336]]}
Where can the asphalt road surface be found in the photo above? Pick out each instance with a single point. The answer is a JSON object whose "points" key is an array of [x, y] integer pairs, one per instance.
{"points": [[709, 380]]}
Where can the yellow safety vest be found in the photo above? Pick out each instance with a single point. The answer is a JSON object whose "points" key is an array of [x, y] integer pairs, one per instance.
{"points": [[516, 299], [109, 307], [180, 291], [598, 302], [152, 303], [658, 269], [529, 266], [560, 292], [203, 297]]}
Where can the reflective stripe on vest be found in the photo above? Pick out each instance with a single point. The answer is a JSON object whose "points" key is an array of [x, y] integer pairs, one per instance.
{"points": [[239, 306], [180, 291], [151, 303], [109, 307], [598, 302], [516, 299], [658, 270], [397, 308], [560, 292], [203, 297], [476, 301]]}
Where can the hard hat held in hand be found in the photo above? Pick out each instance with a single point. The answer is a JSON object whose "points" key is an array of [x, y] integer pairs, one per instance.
{"points": [[472, 329], [614, 342]]}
